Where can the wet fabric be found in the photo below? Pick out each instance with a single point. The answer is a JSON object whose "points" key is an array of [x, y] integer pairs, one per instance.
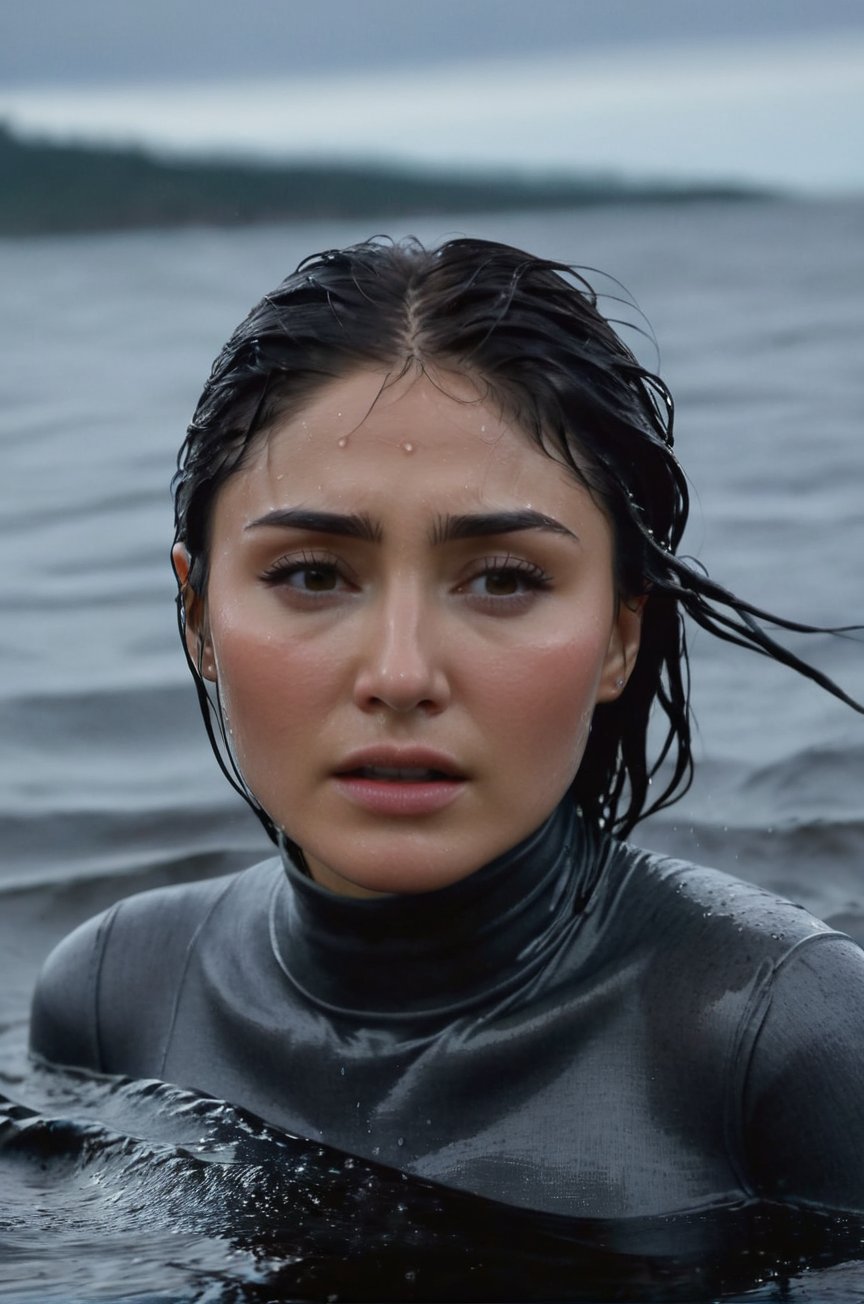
{"points": [[579, 1027]]}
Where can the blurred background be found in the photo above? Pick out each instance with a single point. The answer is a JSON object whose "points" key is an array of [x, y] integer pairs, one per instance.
{"points": [[162, 165], [681, 90]]}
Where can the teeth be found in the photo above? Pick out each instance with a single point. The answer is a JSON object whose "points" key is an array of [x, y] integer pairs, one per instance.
{"points": [[407, 773]]}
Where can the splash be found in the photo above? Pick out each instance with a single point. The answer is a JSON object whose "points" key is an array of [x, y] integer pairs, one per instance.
{"points": [[119, 1190]]}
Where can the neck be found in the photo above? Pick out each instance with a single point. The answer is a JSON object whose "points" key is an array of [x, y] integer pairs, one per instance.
{"points": [[434, 951]]}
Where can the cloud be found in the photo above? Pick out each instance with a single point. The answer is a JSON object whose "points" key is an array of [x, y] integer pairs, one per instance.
{"points": [[776, 111]]}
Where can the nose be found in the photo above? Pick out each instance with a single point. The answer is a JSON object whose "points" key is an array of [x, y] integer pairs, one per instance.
{"points": [[400, 666]]}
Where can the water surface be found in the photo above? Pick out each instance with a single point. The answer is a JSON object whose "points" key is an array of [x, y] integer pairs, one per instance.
{"points": [[121, 1192]]}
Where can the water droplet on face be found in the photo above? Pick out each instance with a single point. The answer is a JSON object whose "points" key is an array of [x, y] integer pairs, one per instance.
{"points": [[342, 441], [407, 446]]}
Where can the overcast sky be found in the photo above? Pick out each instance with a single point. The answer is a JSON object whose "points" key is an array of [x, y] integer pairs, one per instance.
{"points": [[69, 41], [765, 91]]}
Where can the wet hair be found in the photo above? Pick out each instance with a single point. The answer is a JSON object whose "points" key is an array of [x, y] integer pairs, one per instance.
{"points": [[529, 333]]}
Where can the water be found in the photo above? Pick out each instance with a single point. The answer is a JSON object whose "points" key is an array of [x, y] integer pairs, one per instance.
{"points": [[108, 785]]}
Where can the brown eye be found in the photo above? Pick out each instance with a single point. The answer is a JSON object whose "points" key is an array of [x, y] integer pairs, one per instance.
{"points": [[506, 584], [315, 579], [306, 577], [503, 583]]}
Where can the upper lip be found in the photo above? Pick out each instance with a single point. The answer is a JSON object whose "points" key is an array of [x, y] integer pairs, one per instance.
{"points": [[409, 758]]}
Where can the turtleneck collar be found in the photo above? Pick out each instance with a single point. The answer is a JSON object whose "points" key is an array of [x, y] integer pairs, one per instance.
{"points": [[436, 952]]}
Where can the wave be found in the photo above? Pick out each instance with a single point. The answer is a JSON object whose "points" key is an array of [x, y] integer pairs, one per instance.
{"points": [[105, 1165]]}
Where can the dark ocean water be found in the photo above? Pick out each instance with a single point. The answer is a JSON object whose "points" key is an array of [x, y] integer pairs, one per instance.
{"points": [[113, 1192]]}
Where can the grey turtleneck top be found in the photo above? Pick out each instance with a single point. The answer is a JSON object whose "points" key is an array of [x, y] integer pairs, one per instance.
{"points": [[579, 1027]]}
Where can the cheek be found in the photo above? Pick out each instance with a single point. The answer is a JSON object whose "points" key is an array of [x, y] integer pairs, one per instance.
{"points": [[545, 699], [269, 688]]}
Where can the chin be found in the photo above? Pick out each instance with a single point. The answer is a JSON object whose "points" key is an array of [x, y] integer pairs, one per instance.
{"points": [[409, 874]]}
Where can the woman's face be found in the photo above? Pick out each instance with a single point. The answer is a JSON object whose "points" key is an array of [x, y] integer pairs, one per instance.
{"points": [[411, 615]]}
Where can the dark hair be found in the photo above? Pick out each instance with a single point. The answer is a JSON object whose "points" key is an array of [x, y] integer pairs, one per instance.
{"points": [[529, 332]]}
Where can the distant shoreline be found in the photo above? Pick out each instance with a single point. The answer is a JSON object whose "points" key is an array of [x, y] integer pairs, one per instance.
{"points": [[56, 189]]}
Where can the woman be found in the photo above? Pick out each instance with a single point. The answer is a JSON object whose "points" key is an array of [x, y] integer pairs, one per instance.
{"points": [[427, 518]]}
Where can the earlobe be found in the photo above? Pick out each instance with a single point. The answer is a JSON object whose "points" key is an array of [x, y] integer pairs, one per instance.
{"points": [[623, 648], [193, 616]]}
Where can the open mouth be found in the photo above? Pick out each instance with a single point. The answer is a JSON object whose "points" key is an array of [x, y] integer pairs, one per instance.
{"points": [[384, 788], [399, 774]]}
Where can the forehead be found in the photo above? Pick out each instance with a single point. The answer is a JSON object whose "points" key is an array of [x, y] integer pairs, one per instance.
{"points": [[371, 442]]}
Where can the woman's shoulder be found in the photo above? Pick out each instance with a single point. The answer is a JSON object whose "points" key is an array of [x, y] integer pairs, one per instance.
{"points": [[136, 948], [709, 935], [677, 894]]}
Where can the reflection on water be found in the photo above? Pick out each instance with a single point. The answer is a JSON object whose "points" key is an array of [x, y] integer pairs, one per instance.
{"points": [[118, 1191]]}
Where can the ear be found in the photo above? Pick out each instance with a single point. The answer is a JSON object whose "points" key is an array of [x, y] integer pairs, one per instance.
{"points": [[623, 648], [195, 630]]}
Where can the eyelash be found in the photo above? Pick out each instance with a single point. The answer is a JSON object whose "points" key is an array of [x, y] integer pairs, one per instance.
{"points": [[282, 570], [531, 577]]}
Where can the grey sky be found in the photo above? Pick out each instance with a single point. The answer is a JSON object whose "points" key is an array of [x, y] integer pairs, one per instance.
{"points": [[74, 41]]}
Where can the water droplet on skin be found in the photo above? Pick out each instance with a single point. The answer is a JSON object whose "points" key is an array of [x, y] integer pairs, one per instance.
{"points": [[407, 446], [342, 441]]}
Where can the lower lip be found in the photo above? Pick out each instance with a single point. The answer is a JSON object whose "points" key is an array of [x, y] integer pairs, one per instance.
{"points": [[390, 797]]}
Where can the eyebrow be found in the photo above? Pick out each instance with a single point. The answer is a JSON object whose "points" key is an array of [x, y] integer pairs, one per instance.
{"points": [[446, 529], [303, 518], [475, 525]]}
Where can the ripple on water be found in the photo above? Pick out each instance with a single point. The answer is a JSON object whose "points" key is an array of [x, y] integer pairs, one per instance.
{"points": [[113, 1190]]}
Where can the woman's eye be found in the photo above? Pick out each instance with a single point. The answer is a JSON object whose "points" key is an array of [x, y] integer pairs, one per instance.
{"points": [[502, 583], [315, 579], [310, 577], [506, 581]]}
